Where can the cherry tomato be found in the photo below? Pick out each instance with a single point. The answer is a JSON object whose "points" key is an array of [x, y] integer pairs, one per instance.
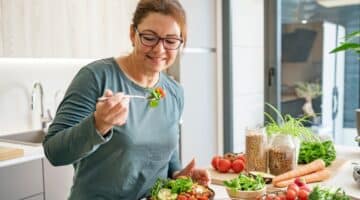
{"points": [[305, 187], [215, 161], [223, 165], [181, 197], [237, 166], [291, 194], [294, 187], [303, 194]]}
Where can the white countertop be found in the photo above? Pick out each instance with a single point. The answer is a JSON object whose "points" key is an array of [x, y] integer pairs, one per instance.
{"points": [[30, 153], [343, 178]]}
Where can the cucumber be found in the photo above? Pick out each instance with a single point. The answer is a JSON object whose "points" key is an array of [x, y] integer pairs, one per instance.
{"points": [[165, 194]]}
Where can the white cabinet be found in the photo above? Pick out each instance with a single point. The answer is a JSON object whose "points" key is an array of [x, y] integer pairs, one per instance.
{"points": [[57, 181], [35, 180], [22, 181]]}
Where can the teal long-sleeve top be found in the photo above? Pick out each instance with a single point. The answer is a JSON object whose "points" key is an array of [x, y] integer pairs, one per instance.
{"points": [[126, 163]]}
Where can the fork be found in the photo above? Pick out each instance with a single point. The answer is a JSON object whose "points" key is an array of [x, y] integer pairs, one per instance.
{"points": [[101, 99]]}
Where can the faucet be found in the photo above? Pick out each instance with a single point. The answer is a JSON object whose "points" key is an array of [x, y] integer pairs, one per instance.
{"points": [[44, 119]]}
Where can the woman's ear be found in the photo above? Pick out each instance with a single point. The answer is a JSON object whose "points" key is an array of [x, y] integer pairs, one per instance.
{"points": [[132, 34]]}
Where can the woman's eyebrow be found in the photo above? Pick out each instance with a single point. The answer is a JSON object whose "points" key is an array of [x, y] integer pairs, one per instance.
{"points": [[148, 30]]}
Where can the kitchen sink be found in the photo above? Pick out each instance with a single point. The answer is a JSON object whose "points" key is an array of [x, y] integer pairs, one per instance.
{"points": [[32, 138]]}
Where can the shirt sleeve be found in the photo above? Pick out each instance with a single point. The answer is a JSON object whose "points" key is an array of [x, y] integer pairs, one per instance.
{"points": [[72, 135]]}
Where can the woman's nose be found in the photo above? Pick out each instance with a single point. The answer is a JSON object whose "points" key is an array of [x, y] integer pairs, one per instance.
{"points": [[159, 47]]}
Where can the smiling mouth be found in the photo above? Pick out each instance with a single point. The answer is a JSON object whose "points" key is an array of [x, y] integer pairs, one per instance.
{"points": [[155, 58]]}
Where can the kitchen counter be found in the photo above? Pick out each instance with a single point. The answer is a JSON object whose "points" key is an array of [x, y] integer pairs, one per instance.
{"points": [[30, 153], [341, 178]]}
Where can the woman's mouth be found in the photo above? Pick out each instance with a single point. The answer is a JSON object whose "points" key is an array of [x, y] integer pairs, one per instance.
{"points": [[155, 60]]}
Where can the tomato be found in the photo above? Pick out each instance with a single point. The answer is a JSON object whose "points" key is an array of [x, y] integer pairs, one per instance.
{"points": [[215, 161], [294, 187], [160, 91], [202, 198], [237, 166], [241, 157], [303, 194], [223, 165], [290, 194], [276, 198], [300, 181], [305, 187], [181, 197]]}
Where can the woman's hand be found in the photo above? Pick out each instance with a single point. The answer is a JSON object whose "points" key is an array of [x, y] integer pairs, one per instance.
{"points": [[113, 111], [201, 176]]}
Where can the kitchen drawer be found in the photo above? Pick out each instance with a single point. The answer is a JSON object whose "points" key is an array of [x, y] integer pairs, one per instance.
{"points": [[21, 180]]}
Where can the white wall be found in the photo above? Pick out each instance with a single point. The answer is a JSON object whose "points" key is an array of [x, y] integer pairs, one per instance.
{"points": [[197, 72], [17, 77], [66, 28], [248, 66]]}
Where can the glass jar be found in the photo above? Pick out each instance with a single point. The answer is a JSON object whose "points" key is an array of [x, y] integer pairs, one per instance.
{"points": [[255, 149], [281, 154]]}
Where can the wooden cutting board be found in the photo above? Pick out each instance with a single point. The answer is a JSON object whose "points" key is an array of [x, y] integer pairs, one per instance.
{"points": [[218, 178], [7, 153]]}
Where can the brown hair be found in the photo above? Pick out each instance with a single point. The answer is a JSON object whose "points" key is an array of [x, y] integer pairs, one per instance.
{"points": [[166, 7]]}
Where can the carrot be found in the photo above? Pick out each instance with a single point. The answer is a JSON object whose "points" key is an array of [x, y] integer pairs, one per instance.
{"points": [[310, 178], [315, 165]]}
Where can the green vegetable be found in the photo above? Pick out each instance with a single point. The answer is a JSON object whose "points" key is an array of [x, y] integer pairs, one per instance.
{"points": [[288, 125], [155, 96], [246, 183], [310, 151], [166, 194], [176, 186], [319, 193]]}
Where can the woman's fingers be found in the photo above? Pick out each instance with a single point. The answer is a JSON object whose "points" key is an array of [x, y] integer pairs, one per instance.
{"points": [[113, 111], [202, 176], [118, 114]]}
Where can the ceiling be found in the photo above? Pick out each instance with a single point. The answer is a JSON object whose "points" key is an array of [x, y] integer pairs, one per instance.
{"points": [[294, 11]]}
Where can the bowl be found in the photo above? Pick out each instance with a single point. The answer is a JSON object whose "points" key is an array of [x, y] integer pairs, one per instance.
{"points": [[239, 194]]}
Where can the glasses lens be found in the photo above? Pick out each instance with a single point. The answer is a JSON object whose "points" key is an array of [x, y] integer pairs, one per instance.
{"points": [[149, 40], [171, 43]]}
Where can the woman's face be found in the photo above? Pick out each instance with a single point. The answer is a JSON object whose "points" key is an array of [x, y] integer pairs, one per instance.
{"points": [[155, 58]]}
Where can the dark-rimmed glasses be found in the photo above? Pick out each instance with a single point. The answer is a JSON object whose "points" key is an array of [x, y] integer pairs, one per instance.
{"points": [[151, 40]]}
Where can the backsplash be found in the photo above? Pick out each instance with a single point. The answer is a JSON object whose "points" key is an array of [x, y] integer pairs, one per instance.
{"points": [[17, 77]]}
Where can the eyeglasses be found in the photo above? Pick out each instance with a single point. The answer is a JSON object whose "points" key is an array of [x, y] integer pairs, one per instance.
{"points": [[151, 40]]}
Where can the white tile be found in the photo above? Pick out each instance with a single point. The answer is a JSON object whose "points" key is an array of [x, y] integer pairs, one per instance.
{"points": [[198, 77], [201, 19], [248, 71], [248, 23], [248, 112]]}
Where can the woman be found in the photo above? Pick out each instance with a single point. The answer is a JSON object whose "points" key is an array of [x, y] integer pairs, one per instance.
{"points": [[120, 146]]}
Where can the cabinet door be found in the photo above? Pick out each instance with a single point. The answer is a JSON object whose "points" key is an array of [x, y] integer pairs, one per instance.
{"points": [[21, 180], [36, 197], [58, 181]]}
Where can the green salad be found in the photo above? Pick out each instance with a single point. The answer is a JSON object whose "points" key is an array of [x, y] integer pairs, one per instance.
{"points": [[245, 183]]}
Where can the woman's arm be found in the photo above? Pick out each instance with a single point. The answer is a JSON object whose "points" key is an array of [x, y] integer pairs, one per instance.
{"points": [[72, 135]]}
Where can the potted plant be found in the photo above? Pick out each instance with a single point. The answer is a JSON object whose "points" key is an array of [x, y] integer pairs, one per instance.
{"points": [[308, 91]]}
